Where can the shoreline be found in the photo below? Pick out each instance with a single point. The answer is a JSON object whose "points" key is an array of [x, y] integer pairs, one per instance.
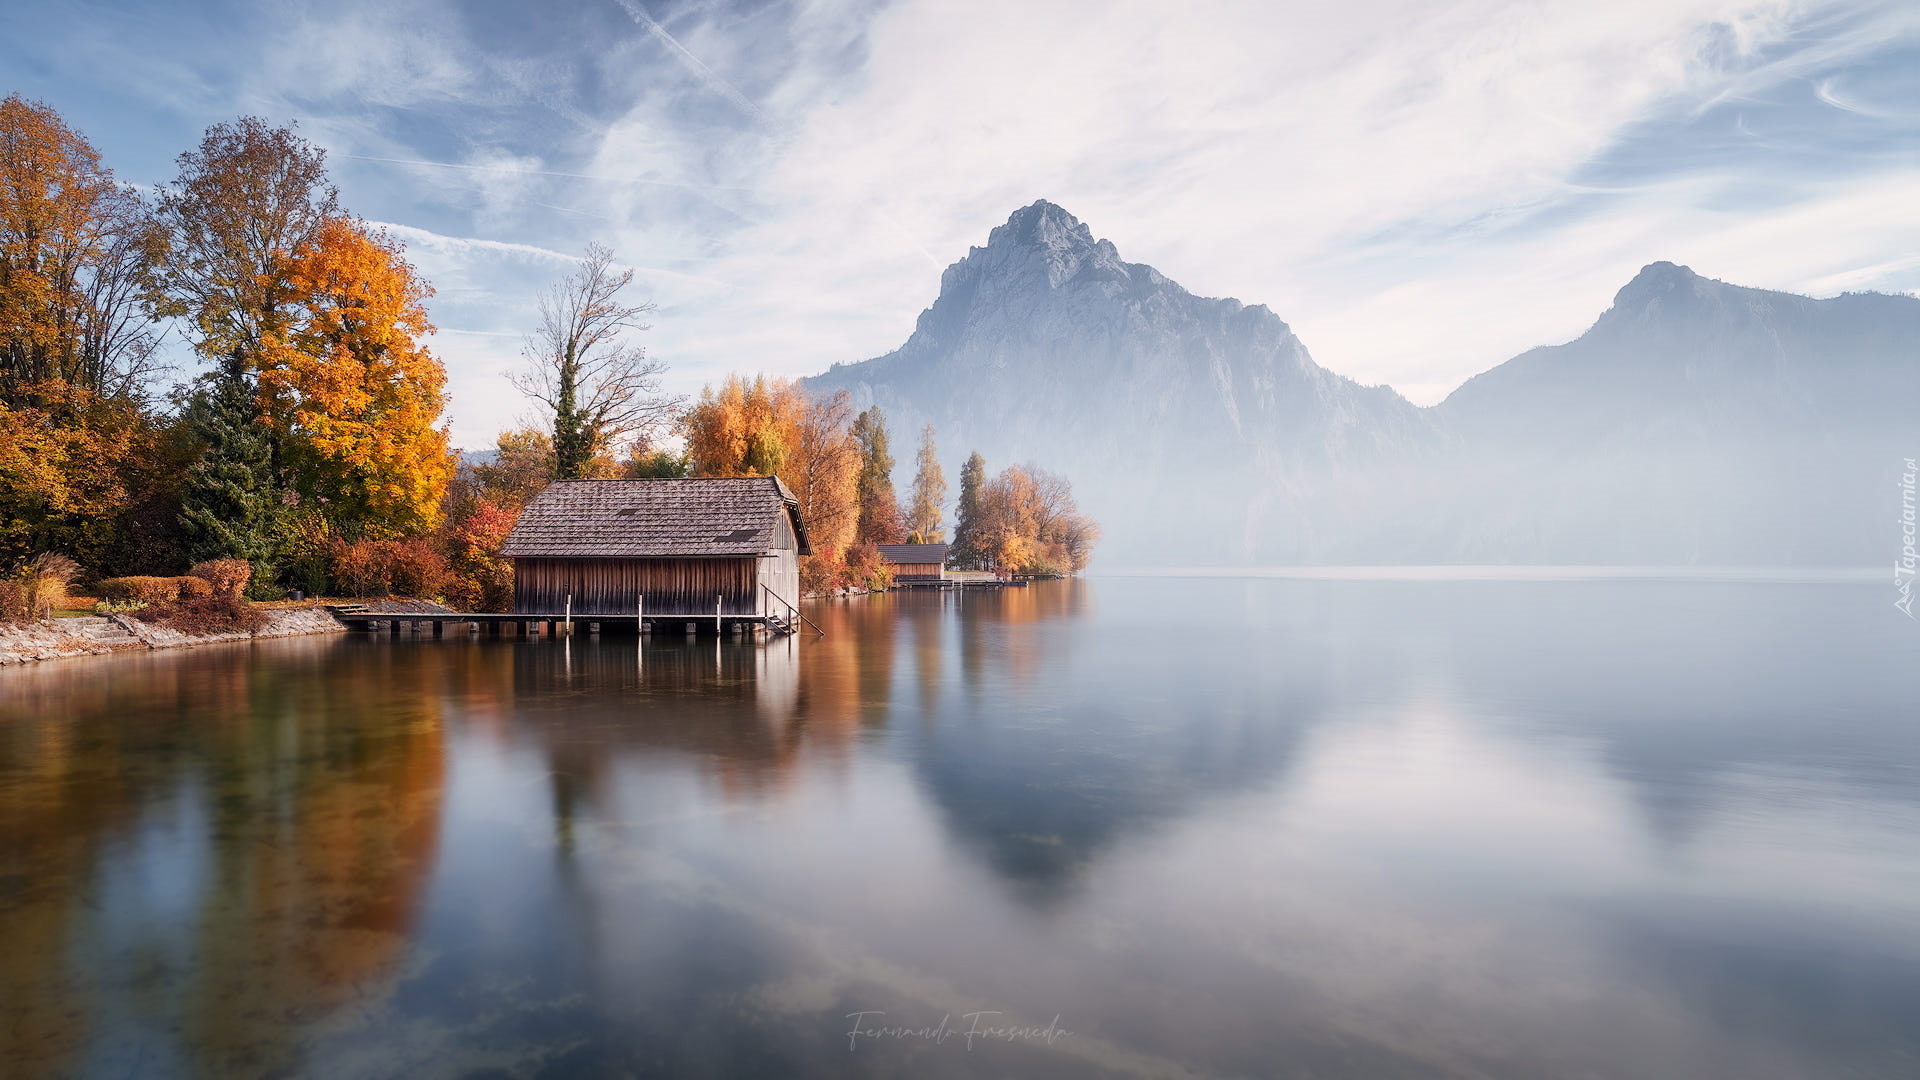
{"points": [[98, 635]]}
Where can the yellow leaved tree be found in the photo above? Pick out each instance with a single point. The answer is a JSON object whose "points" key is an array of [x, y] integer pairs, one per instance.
{"points": [[352, 388]]}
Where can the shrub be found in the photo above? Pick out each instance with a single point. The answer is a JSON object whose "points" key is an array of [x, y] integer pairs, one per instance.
{"points": [[820, 571], [229, 577], [865, 567], [359, 568], [213, 614], [478, 579], [149, 589], [43, 583], [416, 568], [117, 607], [154, 590], [13, 602], [412, 567]]}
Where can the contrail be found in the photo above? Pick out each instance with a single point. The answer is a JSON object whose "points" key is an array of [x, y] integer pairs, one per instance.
{"points": [[714, 82], [537, 172], [430, 239]]}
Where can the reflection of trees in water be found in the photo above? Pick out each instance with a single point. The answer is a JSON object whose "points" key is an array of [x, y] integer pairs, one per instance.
{"points": [[319, 766]]}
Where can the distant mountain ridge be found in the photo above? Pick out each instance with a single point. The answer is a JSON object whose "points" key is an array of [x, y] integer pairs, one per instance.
{"points": [[1201, 430]]}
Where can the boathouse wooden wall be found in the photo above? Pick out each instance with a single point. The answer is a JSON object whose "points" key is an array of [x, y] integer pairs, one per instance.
{"points": [[780, 572], [671, 586]]}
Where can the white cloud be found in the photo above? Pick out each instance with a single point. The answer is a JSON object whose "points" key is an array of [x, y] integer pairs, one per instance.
{"points": [[1360, 169], [1421, 190]]}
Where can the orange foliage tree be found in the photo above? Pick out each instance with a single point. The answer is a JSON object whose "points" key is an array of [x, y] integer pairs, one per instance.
{"points": [[352, 389], [1029, 523], [70, 468], [770, 427], [480, 579], [73, 247]]}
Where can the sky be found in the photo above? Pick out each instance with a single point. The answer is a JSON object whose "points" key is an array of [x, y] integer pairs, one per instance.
{"points": [[1421, 189]]}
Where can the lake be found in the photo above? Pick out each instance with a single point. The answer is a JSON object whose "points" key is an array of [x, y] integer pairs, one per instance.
{"points": [[1127, 826]]}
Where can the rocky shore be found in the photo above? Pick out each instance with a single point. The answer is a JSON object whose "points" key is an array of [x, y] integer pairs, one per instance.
{"points": [[22, 643]]}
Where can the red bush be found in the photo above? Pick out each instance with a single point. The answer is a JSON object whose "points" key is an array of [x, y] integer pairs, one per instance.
{"points": [[220, 614], [228, 577], [411, 567]]}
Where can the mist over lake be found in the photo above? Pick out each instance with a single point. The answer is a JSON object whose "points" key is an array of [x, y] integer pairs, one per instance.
{"points": [[1128, 826]]}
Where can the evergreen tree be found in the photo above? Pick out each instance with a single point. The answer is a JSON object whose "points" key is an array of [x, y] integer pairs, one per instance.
{"points": [[880, 518], [968, 550], [231, 507], [572, 438], [929, 492]]}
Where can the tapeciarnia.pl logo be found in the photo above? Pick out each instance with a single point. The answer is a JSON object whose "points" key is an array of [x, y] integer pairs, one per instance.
{"points": [[1904, 566]]}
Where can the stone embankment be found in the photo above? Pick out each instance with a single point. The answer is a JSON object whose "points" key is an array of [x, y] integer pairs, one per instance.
{"points": [[22, 643]]}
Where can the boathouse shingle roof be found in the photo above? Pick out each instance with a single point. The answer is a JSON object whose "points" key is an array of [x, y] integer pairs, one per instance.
{"points": [[600, 519], [914, 554]]}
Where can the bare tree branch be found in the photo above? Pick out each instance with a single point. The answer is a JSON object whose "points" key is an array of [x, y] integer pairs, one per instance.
{"points": [[600, 390]]}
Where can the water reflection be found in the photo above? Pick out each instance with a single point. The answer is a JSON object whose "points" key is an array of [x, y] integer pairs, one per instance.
{"points": [[221, 844], [1219, 827]]}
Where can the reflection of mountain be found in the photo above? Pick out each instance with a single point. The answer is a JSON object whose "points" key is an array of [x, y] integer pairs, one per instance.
{"points": [[1085, 734], [1728, 680], [1695, 422]]}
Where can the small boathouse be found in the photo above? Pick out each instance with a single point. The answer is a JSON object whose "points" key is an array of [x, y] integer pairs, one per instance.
{"points": [[726, 549], [916, 564]]}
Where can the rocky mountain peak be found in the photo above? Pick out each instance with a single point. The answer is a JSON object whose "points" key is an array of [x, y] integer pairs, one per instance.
{"points": [[1040, 238], [1660, 285]]}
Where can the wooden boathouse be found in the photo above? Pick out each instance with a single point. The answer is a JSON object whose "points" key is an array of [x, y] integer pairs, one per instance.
{"points": [[671, 551], [916, 564]]}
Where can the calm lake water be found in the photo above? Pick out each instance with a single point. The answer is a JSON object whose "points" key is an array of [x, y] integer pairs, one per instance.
{"points": [[1127, 826]]}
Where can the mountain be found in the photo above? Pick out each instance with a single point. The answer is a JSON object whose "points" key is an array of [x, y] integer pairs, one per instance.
{"points": [[1694, 422], [1187, 424]]}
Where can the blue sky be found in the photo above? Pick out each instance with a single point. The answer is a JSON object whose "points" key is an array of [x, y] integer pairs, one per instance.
{"points": [[1422, 189]]}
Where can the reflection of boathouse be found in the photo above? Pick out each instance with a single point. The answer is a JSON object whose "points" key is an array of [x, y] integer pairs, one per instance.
{"points": [[706, 548]]}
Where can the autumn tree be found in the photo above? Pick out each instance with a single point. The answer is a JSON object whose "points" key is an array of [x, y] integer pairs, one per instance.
{"points": [[83, 463], [351, 389], [71, 471], [657, 463], [1027, 523], [969, 550], [745, 428], [74, 250], [521, 467], [880, 519], [246, 201], [929, 492], [599, 388], [826, 476], [769, 427]]}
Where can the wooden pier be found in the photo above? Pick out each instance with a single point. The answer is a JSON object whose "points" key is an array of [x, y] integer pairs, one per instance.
{"points": [[958, 583], [443, 624]]}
